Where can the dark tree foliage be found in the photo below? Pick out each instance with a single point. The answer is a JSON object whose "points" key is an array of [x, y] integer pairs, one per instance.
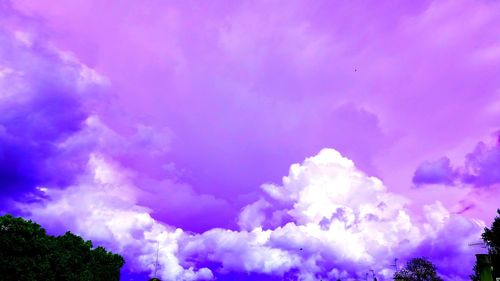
{"points": [[28, 253], [418, 269], [491, 236]]}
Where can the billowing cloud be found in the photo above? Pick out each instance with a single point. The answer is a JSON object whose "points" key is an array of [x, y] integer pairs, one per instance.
{"points": [[480, 169], [435, 172], [482, 166], [343, 219], [102, 206], [43, 100], [326, 220], [160, 187]]}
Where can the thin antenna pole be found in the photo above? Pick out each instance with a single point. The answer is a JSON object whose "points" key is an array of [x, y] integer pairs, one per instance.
{"points": [[156, 263]]}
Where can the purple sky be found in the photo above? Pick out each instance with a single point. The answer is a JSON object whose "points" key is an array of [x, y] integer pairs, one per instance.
{"points": [[131, 122]]}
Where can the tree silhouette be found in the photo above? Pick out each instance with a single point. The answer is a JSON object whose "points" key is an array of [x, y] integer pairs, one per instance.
{"points": [[417, 269], [28, 253], [491, 237]]}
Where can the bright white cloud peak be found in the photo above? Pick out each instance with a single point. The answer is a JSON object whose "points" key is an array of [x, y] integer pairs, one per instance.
{"points": [[326, 220]]}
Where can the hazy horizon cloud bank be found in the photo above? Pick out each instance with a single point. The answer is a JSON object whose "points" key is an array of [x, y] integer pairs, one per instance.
{"points": [[141, 125]]}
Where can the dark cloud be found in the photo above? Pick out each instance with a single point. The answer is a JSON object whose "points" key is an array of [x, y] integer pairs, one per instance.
{"points": [[41, 105], [435, 172], [31, 133], [481, 168]]}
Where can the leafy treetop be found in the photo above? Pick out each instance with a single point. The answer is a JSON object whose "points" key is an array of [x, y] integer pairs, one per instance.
{"points": [[28, 253], [491, 236], [418, 269]]}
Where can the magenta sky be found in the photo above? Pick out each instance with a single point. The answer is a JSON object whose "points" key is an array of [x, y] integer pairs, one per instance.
{"points": [[131, 122]]}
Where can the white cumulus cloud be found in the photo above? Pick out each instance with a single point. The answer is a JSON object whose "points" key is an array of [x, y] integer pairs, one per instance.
{"points": [[326, 220]]}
